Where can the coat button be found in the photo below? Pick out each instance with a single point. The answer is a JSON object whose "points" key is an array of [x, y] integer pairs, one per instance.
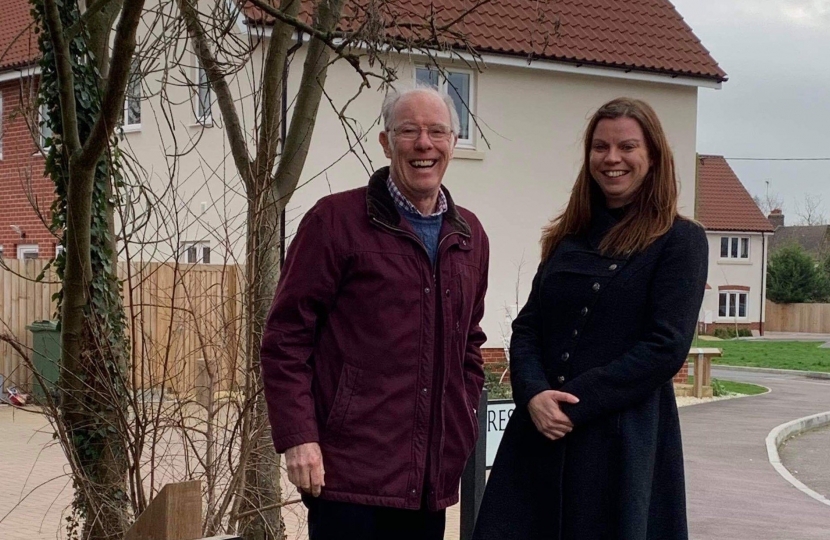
{"points": [[448, 293], [565, 356], [413, 492], [561, 378], [426, 290], [595, 287], [424, 390], [575, 332], [612, 267], [584, 311]]}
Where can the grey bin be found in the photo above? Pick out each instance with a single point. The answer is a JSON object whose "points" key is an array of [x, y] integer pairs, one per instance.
{"points": [[46, 358]]}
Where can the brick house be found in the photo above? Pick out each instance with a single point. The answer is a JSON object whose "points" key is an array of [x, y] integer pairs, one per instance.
{"points": [[739, 238], [25, 195]]}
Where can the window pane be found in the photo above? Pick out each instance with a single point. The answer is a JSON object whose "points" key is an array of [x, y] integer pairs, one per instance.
{"points": [[45, 130], [204, 96], [734, 250], [722, 305], [205, 254], [724, 246], [742, 305], [744, 248], [731, 304], [458, 87], [427, 76], [190, 254], [133, 100]]}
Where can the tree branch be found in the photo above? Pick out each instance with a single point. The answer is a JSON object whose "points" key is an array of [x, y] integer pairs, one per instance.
{"points": [[112, 104], [273, 72], [66, 79], [233, 126], [91, 11]]}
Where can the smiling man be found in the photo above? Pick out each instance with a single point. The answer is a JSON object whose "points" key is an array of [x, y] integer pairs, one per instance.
{"points": [[371, 355]]}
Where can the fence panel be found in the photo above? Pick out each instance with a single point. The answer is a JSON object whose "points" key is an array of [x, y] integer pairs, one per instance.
{"points": [[812, 318], [183, 321]]}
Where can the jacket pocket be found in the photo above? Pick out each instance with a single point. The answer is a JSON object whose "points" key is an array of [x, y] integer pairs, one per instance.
{"points": [[349, 377]]}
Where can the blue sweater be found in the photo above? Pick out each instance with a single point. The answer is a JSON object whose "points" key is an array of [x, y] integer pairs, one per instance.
{"points": [[427, 228]]}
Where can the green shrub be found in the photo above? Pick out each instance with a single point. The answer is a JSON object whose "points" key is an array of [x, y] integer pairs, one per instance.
{"points": [[496, 390], [793, 277], [718, 389]]}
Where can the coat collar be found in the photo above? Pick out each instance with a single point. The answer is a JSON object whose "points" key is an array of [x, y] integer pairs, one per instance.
{"points": [[602, 221], [381, 207]]}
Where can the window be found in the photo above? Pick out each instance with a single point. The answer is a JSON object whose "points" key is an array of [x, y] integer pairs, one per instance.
{"points": [[732, 305], [204, 98], [45, 129], [458, 84], [734, 247], [132, 101], [195, 252], [27, 251], [1, 252]]}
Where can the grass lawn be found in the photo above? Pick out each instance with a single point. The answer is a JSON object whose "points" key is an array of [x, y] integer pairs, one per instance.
{"points": [[733, 387], [802, 355]]}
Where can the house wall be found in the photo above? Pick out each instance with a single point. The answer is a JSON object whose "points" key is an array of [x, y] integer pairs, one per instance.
{"points": [[25, 195], [736, 273], [516, 177]]}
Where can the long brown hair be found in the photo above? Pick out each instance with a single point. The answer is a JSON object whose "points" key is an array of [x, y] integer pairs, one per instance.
{"points": [[654, 205]]}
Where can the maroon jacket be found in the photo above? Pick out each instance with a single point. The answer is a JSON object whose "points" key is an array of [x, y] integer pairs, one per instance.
{"points": [[366, 349]]}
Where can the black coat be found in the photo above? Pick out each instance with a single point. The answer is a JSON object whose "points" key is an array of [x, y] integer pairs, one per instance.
{"points": [[613, 331]]}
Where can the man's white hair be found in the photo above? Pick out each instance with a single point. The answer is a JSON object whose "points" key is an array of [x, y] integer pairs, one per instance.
{"points": [[394, 96]]}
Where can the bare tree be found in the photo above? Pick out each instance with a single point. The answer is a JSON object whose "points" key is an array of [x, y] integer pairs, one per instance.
{"points": [[810, 210], [769, 202], [84, 79]]}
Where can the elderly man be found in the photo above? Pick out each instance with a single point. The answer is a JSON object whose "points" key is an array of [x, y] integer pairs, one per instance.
{"points": [[371, 355]]}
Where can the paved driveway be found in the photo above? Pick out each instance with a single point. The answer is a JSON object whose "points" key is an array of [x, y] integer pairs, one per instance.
{"points": [[733, 491]]}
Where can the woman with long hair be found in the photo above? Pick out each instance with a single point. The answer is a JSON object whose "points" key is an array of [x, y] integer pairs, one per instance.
{"points": [[593, 449]]}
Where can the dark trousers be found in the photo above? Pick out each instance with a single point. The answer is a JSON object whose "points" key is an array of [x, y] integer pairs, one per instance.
{"points": [[331, 520]]}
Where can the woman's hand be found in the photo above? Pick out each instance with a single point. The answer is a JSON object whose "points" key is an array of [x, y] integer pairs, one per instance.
{"points": [[548, 416]]}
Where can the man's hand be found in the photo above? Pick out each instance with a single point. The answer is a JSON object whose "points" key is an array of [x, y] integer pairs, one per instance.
{"points": [[548, 417], [305, 467]]}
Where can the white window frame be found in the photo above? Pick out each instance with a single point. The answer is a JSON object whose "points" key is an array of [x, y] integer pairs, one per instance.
{"points": [[203, 117], [28, 249], [1, 252], [469, 142], [197, 249], [736, 242], [733, 300], [134, 73]]}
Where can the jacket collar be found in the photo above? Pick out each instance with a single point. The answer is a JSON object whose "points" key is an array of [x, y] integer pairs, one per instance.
{"points": [[381, 207], [602, 220]]}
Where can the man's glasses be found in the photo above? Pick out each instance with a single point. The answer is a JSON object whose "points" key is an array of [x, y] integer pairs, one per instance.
{"points": [[409, 132]]}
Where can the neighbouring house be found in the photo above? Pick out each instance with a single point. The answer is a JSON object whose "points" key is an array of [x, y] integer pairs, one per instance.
{"points": [[814, 239], [739, 237], [25, 195], [532, 98]]}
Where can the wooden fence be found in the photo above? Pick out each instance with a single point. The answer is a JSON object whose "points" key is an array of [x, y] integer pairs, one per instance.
{"points": [[812, 318], [183, 321]]}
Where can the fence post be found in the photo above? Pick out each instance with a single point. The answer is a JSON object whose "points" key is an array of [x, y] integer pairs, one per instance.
{"points": [[475, 473]]}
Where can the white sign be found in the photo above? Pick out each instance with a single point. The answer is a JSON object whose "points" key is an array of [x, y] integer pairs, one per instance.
{"points": [[498, 413]]}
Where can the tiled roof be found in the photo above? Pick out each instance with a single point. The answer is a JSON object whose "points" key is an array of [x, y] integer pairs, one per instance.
{"points": [[18, 43], [641, 35], [723, 203], [815, 239]]}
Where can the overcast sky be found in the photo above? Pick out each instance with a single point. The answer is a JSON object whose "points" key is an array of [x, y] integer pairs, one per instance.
{"points": [[776, 103]]}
